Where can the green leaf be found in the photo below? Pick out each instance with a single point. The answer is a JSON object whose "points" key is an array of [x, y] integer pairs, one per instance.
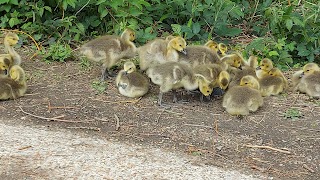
{"points": [[48, 8], [291, 46], [103, 13], [226, 31], [302, 50], [190, 23], [15, 2], [289, 24], [13, 22], [6, 7], [273, 53], [196, 28], [176, 29], [134, 11], [100, 2], [4, 1]]}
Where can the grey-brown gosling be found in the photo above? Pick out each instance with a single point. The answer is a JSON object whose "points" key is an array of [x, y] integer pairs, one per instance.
{"points": [[199, 54], [243, 99], [273, 83], [296, 79], [10, 40], [14, 86], [131, 83], [214, 74], [223, 49], [264, 67], [174, 75], [234, 60], [5, 65], [109, 49], [248, 68], [212, 45], [310, 80], [160, 51]]}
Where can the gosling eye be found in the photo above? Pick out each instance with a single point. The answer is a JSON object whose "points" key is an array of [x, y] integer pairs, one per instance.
{"points": [[208, 91], [180, 45]]}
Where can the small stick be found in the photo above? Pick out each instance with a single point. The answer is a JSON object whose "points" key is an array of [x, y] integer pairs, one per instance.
{"points": [[216, 127], [63, 107], [116, 102], [100, 119], [308, 168], [197, 125], [118, 122], [157, 120], [26, 147], [268, 147], [89, 128], [50, 119]]}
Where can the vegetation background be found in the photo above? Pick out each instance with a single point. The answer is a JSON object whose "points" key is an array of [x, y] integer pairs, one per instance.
{"points": [[287, 31]]}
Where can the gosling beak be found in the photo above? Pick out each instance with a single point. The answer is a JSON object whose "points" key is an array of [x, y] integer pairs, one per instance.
{"points": [[301, 75], [184, 51], [240, 67], [258, 68], [5, 72]]}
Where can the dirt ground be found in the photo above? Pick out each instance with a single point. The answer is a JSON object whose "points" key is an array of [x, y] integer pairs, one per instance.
{"points": [[280, 140]]}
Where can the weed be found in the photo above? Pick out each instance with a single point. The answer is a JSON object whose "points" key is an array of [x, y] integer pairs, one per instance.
{"points": [[57, 52], [99, 86], [293, 114], [85, 64]]}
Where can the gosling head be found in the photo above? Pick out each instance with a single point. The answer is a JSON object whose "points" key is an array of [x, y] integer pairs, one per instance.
{"points": [[212, 45], [224, 80], [179, 44], [205, 88], [250, 81], [265, 65], [17, 73], [11, 38], [129, 67], [169, 38], [310, 68], [128, 34], [253, 61], [222, 48], [4, 65], [275, 72]]}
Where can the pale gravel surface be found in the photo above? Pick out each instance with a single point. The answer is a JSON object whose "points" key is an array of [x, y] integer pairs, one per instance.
{"points": [[39, 153]]}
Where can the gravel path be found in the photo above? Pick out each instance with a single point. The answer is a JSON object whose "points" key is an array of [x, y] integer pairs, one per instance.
{"points": [[39, 153]]}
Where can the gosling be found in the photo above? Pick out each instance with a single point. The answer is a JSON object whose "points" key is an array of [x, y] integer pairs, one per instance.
{"points": [[131, 83], [273, 83], [265, 66], [14, 86], [160, 51], [10, 40], [245, 98], [174, 75], [310, 80], [109, 49]]}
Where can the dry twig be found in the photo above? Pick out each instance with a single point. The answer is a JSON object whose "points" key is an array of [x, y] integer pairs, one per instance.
{"points": [[268, 147], [83, 127], [118, 122], [308, 168], [198, 125], [117, 102], [25, 147], [51, 119]]}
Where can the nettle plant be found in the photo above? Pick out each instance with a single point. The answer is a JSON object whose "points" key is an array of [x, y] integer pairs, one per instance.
{"points": [[294, 32]]}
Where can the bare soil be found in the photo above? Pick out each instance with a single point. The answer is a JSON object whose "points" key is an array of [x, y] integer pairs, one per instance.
{"points": [[63, 95]]}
